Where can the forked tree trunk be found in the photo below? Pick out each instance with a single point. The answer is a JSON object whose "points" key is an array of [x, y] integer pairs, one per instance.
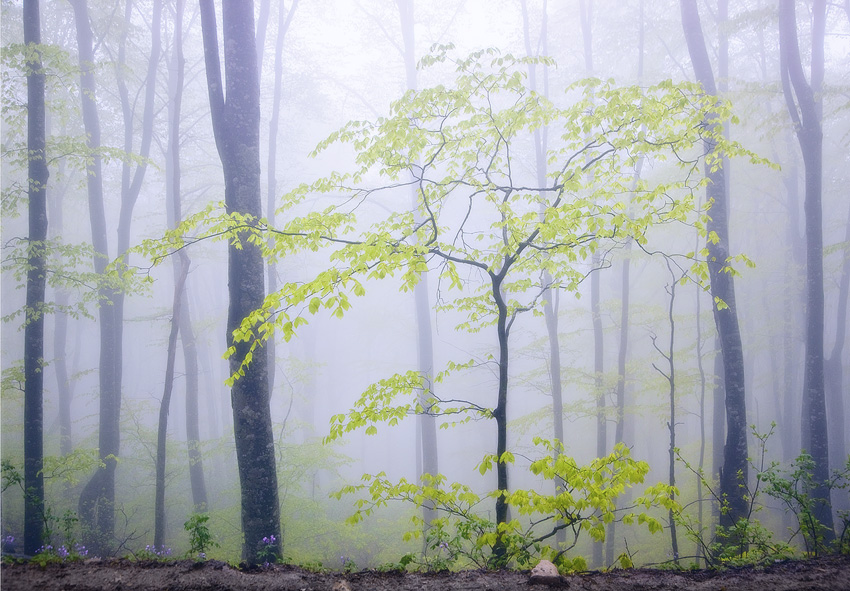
{"points": [[806, 114], [97, 499]]}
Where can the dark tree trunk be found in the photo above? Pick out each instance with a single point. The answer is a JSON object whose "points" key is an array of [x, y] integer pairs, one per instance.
{"points": [[500, 415], [734, 475], [37, 174], [97, 499], [426, 422], [805, 112], [236, 125]]}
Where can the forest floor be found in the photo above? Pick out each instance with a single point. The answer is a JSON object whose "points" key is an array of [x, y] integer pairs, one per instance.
{"points": [[830, 573]]}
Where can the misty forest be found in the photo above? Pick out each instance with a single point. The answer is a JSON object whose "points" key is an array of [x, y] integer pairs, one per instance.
{"points": [[434, 285]]}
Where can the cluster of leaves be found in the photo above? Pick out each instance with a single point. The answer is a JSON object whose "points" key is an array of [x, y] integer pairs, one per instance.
{"points": [[748, 541], [461, 536], [61, 529], [200, 537], [795, 487], [384, 402], [69, 268], [454, 147]]}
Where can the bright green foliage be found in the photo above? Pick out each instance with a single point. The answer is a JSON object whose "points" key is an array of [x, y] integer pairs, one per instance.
{"points": [[748, 541], [462, 537], [200, 538], [795, 488], [460, 147], [69, 266], [487, 230]]}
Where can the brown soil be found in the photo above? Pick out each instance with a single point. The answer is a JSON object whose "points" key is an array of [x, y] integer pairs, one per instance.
{"points": [[831, 573]]}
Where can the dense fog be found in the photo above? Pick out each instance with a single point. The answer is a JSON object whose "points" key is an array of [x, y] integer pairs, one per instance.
{"points": [[323, 63]]}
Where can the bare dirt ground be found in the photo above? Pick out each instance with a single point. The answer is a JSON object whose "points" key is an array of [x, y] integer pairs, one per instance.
{"points": [[831, 573]]}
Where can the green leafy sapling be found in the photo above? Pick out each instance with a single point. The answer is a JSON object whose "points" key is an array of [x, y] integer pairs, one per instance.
{"points": [[200, 538]]}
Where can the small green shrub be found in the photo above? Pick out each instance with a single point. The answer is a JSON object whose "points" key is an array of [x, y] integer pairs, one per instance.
{"points": [[200, 538]]}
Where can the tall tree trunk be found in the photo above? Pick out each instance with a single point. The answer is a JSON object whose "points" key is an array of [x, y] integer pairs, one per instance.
{"points": [[174, 208], [236, 126], [670, 376], [164, 405], [806, 114], [734, 475], [97, 499], [500, 414], [64, 388], [37, 175], [702, 438], [426, 422], [834, 379]]}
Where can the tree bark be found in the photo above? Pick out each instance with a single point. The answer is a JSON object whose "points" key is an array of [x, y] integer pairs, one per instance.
{"points": [[174, 208], [97, 499], [37, 174], [734, 475], [164, 405], [806, 114], [236, 126], [500, 414]]}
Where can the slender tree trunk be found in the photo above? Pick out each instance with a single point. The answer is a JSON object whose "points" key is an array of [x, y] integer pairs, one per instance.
{"points": [[37, 174], [834, 379], [64, 389], [702, 438], [806, 114], [793, 305], [236, 125], [426, 422], [164, 405], [734, 475], [174, 208], [64, 381], [501, 416], [670, 376], [97, 499]]}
